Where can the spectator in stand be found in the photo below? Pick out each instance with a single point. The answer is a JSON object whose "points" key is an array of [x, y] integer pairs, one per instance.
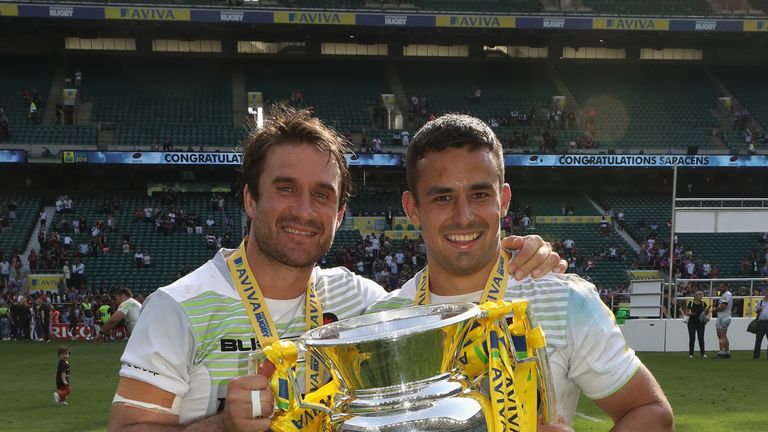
{"points": [[405, 138], [297, 98], [475, 94], [32, 260], [78, 271], [5, 224], [5, 127], [147, 260], [603, 226]]}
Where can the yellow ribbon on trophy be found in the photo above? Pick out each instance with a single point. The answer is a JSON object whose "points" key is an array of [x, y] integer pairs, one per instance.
{"points": [[506, 354], [284, 355]]}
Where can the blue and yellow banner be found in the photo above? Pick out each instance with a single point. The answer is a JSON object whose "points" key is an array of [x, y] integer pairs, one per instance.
{"points": [[645, 24], [755, 25], [147, 13], [9, 10], [475, 21], [43, 282], [303, 17]]}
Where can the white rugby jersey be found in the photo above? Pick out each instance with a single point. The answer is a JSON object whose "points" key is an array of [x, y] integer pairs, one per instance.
{"points": [[194, 335], [587, 351]]}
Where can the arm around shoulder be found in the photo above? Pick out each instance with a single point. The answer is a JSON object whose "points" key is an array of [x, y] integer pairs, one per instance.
{"points": [[639, 405]]}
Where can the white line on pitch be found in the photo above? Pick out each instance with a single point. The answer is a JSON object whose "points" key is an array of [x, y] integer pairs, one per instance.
{"points": [[584, 416]]}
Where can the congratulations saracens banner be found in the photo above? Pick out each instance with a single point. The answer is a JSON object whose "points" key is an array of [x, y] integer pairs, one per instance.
{"points": [[203, 158], [646, 161]]}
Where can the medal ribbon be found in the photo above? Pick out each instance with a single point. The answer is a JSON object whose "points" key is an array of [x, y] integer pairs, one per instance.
{"points": [[256, 308], [494, 290]]}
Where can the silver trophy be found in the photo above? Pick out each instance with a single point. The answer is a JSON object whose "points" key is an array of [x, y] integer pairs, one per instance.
{"points": [[399, 371]]}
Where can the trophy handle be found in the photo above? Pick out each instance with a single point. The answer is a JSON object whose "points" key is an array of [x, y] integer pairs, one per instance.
{"points": [[284, 355], [544, 376]]}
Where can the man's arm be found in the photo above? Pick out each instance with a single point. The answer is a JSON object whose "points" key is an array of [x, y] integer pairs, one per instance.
{"points": [[144, 408], [639, 406], [112, 321]]}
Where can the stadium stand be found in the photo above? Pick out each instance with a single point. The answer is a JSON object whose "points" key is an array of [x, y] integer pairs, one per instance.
{"points": [[746, 84], [179, 102], [645, 107], [520, 6], [478, 5], [341, 94], [727, 251], [554, 203], [641, 211], [34, 76], [650, 7], [522, 88], [27, 209], [376, 203], [590, 243], [172, 254]]}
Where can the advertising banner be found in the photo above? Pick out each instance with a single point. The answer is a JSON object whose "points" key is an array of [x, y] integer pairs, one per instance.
{"points": [[369, 224], [475, 21], [70, 96], [305, 17], [147, 13], [43, 282]]}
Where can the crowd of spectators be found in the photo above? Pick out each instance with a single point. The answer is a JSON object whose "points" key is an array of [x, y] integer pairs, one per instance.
{"points": [[377, 257], [31, 317]]}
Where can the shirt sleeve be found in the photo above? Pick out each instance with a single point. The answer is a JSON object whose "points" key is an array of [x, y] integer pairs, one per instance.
{"points": [[370, 291], [161, 348], [601, 362]]}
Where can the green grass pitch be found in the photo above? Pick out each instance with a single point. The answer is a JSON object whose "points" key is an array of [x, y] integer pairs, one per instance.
{"points": [[706, 395]]}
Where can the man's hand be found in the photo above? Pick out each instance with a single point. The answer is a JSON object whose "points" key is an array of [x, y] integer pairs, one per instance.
{"points": [[560, 426], [238, 410], [534, 257]]}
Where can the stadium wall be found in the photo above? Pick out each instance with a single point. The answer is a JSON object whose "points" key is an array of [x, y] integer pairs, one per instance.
{"points": [[671, 335]]}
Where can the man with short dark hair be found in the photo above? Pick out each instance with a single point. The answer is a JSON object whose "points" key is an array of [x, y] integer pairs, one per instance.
{"points": [[456, 192]]}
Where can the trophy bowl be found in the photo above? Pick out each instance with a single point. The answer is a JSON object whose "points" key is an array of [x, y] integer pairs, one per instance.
{"points": [[396, 348]]}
